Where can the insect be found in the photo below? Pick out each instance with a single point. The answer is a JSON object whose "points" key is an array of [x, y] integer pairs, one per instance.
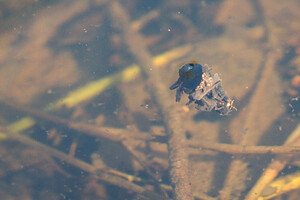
{"points": [[203, 88]]}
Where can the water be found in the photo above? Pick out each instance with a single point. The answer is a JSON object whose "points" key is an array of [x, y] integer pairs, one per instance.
{"points": [[70, 82]]}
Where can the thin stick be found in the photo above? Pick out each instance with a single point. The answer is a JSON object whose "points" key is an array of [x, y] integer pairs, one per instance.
{"points": [[100, 174], [244, 149], [235, 181], [274, 167], [113, 134], [119, 135], [178, 157]]}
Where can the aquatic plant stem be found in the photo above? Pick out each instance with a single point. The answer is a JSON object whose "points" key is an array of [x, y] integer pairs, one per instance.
{"points": [[178, 157]]}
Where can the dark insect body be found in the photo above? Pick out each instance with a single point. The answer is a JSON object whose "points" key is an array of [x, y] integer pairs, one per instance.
{"points": [[203, 88]]}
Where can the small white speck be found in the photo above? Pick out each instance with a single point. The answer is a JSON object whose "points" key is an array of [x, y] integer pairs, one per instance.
{"points": [[145, 106], [169, 29]]}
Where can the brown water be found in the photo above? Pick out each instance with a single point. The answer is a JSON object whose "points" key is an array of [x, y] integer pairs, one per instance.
{"points": [[73, 60]]}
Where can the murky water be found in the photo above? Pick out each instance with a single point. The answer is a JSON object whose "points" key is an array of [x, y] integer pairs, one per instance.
{"points": [[80, 113]]}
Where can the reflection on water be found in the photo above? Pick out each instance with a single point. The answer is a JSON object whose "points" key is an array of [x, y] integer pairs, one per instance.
{"points": [[74, 124]]}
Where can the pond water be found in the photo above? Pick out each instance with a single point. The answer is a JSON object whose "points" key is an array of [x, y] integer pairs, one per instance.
{"points": [[86, 110]]}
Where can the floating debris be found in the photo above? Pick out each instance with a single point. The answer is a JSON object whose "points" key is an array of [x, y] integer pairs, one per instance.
{"points": [[203, 88]]}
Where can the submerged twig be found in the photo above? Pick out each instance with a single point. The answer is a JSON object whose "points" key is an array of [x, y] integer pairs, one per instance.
{"points": [[178, 158], [113, 134], [274, 167], [143, 163], [100, 174], [244, 149], [238, 172]]}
